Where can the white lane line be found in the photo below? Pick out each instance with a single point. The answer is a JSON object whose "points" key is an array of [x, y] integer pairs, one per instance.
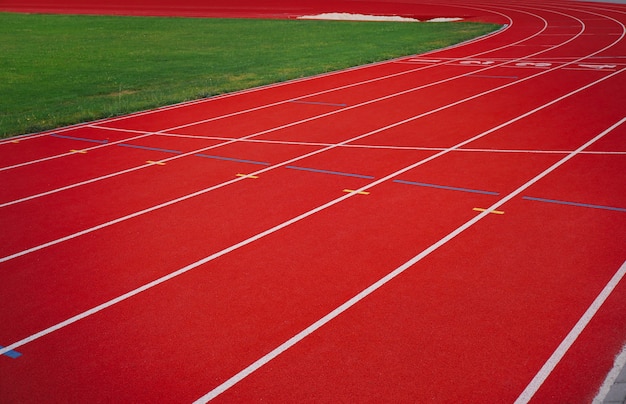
{"points": [[381, 282], [388, 147], [27, 163], [571, 338]]}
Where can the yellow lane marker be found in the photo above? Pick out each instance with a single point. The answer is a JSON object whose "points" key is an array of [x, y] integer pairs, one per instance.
{"points": [[15, 141], [247, 176], [158, 163], [352, 191], [78, 151], [495, 212]]}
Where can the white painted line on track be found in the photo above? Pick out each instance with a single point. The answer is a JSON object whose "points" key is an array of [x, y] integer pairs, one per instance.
{"points": [[27, 163], [545, 371], [381, 282], [390, 147]]}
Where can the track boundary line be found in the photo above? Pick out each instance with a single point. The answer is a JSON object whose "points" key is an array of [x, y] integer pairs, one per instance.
{"points": [[41, 160], [390, 147], [569, 340]]}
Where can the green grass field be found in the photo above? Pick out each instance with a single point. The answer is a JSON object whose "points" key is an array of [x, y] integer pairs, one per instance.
{"points": [[57, 70]]}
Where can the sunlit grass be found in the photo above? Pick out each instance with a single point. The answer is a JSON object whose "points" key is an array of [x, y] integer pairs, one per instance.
{"points": [[57, 70]]}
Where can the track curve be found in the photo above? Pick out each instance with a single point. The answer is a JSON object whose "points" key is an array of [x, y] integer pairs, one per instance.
{"points": [[441, 227]]}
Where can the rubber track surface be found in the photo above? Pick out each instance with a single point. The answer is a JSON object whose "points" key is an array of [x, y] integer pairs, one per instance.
{"points": [[445, 227]]}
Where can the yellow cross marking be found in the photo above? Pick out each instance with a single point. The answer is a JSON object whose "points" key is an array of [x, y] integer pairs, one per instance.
{"points": [[78, 151], [159, 163], [352, 191], [247, 176], [495, 212]]}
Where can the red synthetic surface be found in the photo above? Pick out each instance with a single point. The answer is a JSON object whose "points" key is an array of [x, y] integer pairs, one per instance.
{"points": [[223, 270]]}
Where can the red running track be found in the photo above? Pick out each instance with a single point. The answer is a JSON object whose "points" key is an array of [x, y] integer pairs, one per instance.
{"points": [[446, 227]]}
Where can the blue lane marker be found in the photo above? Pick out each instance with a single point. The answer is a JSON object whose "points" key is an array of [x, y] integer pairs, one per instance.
{"points": [[422, 184], [11, 354], [480, 76], [330, 104], [262, 163], [315, 170], [149, 148], [584, 205], [79, 138]]}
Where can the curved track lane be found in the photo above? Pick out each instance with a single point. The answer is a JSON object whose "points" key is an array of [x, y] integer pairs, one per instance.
{"points": [[441, 227]]}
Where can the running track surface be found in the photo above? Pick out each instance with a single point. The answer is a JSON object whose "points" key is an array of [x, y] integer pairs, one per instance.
{"points": [[446, 227]]}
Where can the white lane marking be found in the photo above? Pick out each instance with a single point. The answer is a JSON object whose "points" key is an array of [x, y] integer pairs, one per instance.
{"points": [[571, 337], [27, 163], [389, 147]]}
